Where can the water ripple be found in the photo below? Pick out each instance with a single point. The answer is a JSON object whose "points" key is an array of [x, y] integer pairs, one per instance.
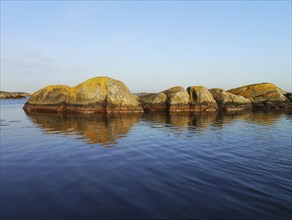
{"points": [[152, 166]]}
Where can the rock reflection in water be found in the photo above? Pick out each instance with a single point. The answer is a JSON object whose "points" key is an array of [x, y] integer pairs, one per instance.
{"points": [[259, 117], [107, 129], [195, 122], [199, 122], [94, 129]]}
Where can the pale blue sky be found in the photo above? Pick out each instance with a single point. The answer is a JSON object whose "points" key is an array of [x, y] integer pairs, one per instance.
{"points": [[150, 46]]}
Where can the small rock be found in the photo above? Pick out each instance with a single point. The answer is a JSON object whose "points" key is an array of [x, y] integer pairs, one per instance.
{"points": [[201, 99], [262, 95], [229, 102], [173, 99]]}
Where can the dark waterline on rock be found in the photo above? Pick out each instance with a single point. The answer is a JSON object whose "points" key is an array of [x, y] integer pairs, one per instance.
{"points": [[145, 166]]}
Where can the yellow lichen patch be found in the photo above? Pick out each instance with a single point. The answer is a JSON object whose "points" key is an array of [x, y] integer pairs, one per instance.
{"points": [[253, 90], [196, 88], [50, 94], [92, 90], [95, 82], [216, 90], [61, 88], [96, 94], [174, 89]]}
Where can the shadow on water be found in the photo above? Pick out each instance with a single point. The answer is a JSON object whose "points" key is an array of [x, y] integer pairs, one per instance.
{"points": [[106, 130]]}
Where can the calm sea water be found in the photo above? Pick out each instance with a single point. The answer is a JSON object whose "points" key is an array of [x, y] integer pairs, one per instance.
{"points": [[151, 166]]}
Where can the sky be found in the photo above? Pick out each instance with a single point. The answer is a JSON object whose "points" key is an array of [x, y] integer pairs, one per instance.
{"points": [[149, 45]]}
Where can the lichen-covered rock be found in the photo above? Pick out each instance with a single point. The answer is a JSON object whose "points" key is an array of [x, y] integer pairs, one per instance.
{"points": [[173, 99], [13, 95], [154, 102], [229, 102], [201, 99], [265, 95], [99, 94], [177, 99]]}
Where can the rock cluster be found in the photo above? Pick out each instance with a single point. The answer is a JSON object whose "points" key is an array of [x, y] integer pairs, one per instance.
{"points": [[106, 95]]}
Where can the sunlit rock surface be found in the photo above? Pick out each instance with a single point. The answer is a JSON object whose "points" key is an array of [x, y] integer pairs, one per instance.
{"points": [[263, 95], [230, 102], [201, 99], [173, 99], [106, 95], [99, 94]]}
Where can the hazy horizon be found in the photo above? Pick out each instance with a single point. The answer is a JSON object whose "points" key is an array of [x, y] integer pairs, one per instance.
{"points": [[150, 46]]}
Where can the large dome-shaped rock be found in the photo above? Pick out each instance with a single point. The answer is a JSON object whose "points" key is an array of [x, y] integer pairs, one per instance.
{"points": [[201, 99], [265, 95], [99, 94], [229, 102], [173, 99]]}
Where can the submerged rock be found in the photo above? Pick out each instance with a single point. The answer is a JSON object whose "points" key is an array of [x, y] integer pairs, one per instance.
{"points": [[99, 94], [173, 99], [263, 95], [13, 95], [201, 99], [229, 102]]}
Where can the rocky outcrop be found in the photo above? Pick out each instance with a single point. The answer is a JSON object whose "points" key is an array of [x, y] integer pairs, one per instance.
{"points": [[106, 95], [13, 95], [99, 94], [263, 95], [229, 102], [201, 99], [173, 99]]}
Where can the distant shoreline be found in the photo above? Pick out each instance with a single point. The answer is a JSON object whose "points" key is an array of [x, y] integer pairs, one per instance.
{"points": [[13, 95]]}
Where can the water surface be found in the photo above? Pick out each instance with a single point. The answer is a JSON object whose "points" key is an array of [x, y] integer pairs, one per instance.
{"points": [[151, 166]]}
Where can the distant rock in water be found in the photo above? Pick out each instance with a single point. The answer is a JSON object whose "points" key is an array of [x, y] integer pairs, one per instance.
{"points": [[201, 99], [173, 99], [99, 94], [229, 102], [13, 95], [263, 95]]}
